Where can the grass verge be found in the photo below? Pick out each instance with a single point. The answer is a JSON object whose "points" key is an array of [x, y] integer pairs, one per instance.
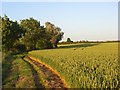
{"points": [[16, 73]]}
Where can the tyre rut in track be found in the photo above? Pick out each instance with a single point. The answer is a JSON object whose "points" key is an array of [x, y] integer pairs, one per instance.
{"points": [[53, 80], [35, 75]]}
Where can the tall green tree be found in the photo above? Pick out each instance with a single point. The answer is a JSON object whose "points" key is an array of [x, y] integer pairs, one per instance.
{"points": [[69, 40], [29, 33], [0, 33], [11, 32], [54, 33], [35, 35]]}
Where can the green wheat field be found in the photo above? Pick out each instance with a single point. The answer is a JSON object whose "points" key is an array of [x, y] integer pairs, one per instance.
{"points": [[89, 65]]}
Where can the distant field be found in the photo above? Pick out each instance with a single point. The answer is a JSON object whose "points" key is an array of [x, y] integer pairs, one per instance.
{"points": [[84, 65]]}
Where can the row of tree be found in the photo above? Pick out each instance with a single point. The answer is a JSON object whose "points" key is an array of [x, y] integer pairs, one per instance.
{"points": [[28, 34]]}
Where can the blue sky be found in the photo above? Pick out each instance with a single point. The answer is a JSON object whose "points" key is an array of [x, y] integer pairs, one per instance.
{"points": [[79, 21]]}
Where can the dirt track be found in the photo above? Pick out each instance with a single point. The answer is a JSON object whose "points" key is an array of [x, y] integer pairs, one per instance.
{"points": [[53, 80]]}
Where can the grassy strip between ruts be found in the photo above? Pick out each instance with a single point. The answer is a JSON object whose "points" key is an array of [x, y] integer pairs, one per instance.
{"points": [[42, 78], [17, 73]]}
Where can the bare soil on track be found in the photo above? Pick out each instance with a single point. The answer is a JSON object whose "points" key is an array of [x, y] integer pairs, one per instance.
{"points": [[53, 80]]}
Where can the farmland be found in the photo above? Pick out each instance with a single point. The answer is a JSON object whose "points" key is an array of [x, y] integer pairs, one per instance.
{"points": [[89, 65], [19, 71], [82, 65], [59, 45]]}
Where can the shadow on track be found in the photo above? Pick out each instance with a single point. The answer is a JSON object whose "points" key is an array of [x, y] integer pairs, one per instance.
{"points": [[35, 75]]}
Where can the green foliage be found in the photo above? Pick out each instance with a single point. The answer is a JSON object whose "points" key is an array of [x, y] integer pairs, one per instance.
{"points": [[11, 32], [38, 37], [16, 73], [84, 65], [54, 33], [32, 32], [0, 33], [28, 35], [69, 40], [20, 47]]}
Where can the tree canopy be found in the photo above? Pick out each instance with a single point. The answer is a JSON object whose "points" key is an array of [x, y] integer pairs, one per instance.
{"points": [[11, 32], [69, 40], [54, 33], [30, 34]]}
